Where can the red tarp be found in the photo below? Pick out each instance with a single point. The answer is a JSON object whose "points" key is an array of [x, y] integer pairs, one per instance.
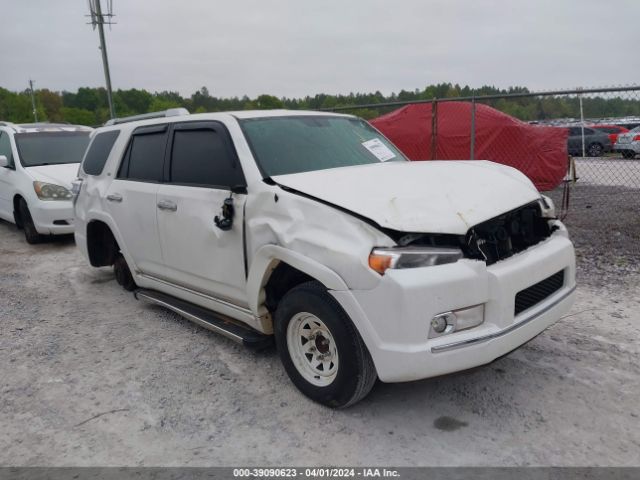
{"points": [[538, 152]]}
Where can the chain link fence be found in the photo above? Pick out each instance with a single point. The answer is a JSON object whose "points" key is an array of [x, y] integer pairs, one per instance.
{"points": [[580, 147]]}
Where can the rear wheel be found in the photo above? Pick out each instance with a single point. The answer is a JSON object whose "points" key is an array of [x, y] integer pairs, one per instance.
{"points": [[30, 233], [321, 349], [595, 150], [123, 274]]}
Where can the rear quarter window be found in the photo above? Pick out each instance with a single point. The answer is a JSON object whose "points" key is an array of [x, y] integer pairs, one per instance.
{"points": [[98, 152]]}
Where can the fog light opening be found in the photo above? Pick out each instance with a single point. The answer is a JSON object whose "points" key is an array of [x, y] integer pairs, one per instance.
{"points": [[456, 320]]}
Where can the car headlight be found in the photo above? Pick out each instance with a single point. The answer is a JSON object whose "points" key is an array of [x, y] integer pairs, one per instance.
{"points": [[50, 191], [381, 259]]}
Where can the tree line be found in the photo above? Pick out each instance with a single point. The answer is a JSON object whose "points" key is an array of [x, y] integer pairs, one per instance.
{"points": [[88, 106]]}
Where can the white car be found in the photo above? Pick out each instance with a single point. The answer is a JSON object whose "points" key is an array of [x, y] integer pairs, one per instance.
{"points": [[38, 162], [628, 143], [313, 229]]}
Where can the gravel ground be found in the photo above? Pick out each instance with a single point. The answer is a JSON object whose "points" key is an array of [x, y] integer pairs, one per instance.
{"points": [[90, 376], [604, 224]]}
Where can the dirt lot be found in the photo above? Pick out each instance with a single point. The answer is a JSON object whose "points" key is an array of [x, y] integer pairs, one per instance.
{"points": [[90, 376]]}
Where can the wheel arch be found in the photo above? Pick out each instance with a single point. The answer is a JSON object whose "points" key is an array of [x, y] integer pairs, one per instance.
{"points": [[272, 263], [102, 245]]}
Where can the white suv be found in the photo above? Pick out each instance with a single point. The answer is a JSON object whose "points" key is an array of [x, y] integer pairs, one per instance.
{"points": [[313, 229], [38, 162]]}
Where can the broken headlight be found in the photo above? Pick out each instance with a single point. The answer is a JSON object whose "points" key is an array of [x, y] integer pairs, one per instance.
{"points": [[382, 259]]}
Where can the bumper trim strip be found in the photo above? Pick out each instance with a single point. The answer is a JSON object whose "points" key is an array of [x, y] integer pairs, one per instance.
{"points": [[473, 341]]}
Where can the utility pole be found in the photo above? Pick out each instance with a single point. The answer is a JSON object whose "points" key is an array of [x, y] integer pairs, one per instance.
{"points": [[33, 101], [98, 19]]}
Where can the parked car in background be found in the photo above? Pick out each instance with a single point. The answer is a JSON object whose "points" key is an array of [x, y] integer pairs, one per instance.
{"points": [[628, 144], [314, 229], [612, 130], [596, 143], [38, 162]]}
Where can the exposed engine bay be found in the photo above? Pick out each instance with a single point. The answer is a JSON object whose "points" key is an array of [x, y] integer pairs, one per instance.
{"points": [[495, 239]]}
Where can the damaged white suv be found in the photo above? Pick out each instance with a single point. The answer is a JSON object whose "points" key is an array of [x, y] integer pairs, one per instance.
{"points": [[313, 229]]}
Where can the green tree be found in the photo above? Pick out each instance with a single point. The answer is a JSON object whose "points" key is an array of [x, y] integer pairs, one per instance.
{"points": [[78, 116], [268, 102], [51, 103]]}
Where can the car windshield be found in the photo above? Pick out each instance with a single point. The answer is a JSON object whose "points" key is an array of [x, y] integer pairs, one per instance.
{"points": [[51, 148], [294, 144]]}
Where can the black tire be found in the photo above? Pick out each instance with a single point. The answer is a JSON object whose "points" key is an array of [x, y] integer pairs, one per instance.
{"points": [[595, 150], [123, 274], [30, 233], [629, 154], [356, 373]]}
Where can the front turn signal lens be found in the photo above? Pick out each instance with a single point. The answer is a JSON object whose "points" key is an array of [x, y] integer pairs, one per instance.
{"points": [[380, 262]]}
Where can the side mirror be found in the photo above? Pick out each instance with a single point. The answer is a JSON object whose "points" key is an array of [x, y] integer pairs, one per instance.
{"points": [[4, 161]]}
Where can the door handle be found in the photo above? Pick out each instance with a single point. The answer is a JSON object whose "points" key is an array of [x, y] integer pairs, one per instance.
{"points": [[167, 205], [114, 197]]}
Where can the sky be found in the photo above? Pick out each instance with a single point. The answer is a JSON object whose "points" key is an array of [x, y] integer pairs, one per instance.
{"points": [[295, 48]]}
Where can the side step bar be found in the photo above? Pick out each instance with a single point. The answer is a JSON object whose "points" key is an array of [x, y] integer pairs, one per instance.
{"points": [[206, 318]]}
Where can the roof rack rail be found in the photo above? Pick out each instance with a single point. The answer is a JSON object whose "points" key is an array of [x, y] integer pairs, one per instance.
{"points": [[172, 112]]}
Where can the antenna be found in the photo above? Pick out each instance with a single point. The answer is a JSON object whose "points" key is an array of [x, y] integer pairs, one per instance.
{"points": [[33, 101], [100, 19]]}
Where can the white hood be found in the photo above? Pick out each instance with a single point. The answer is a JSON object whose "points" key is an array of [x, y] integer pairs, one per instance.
{"points": [[61, 174], [430, 197]]}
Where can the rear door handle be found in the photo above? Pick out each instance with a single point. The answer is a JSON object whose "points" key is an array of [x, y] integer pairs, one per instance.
{"points": [[167, 205], [114, 197]]}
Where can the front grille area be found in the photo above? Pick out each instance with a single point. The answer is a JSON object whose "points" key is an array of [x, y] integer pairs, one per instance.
{"points": [[505, 235], [534, 294]]}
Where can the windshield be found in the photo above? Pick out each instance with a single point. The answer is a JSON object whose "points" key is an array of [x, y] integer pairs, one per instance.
{"points": [[51, 148], [283, 145]]}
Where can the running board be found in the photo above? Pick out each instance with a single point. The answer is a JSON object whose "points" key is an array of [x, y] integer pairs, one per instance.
{"points": [[207, 319]]}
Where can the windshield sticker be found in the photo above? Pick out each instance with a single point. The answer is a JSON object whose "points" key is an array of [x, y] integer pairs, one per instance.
{"points": [[379, 149]]}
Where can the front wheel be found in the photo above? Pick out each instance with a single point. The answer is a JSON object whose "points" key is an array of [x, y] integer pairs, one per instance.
{"points": [[31, 235], [628, 154], [123, 274], [321, 349]]}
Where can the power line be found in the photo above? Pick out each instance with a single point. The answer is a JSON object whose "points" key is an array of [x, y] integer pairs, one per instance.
{"points": [[100, 19]]}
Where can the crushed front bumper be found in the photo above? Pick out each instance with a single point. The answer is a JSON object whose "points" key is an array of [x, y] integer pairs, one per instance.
{"points": [[394, 318]]}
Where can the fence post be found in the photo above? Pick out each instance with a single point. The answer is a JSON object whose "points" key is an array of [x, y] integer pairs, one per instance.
{"points": [[472, 153], [581, 122], [434, 128]]}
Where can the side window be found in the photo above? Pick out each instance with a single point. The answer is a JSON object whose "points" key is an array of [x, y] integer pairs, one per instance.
{"points": [[5, 147], [575, 131], [99, 151], [144, 159], [204, 157]]}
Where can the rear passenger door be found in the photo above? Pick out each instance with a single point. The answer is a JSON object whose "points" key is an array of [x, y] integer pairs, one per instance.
{"points": [[202, 168], [131, 198]]}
